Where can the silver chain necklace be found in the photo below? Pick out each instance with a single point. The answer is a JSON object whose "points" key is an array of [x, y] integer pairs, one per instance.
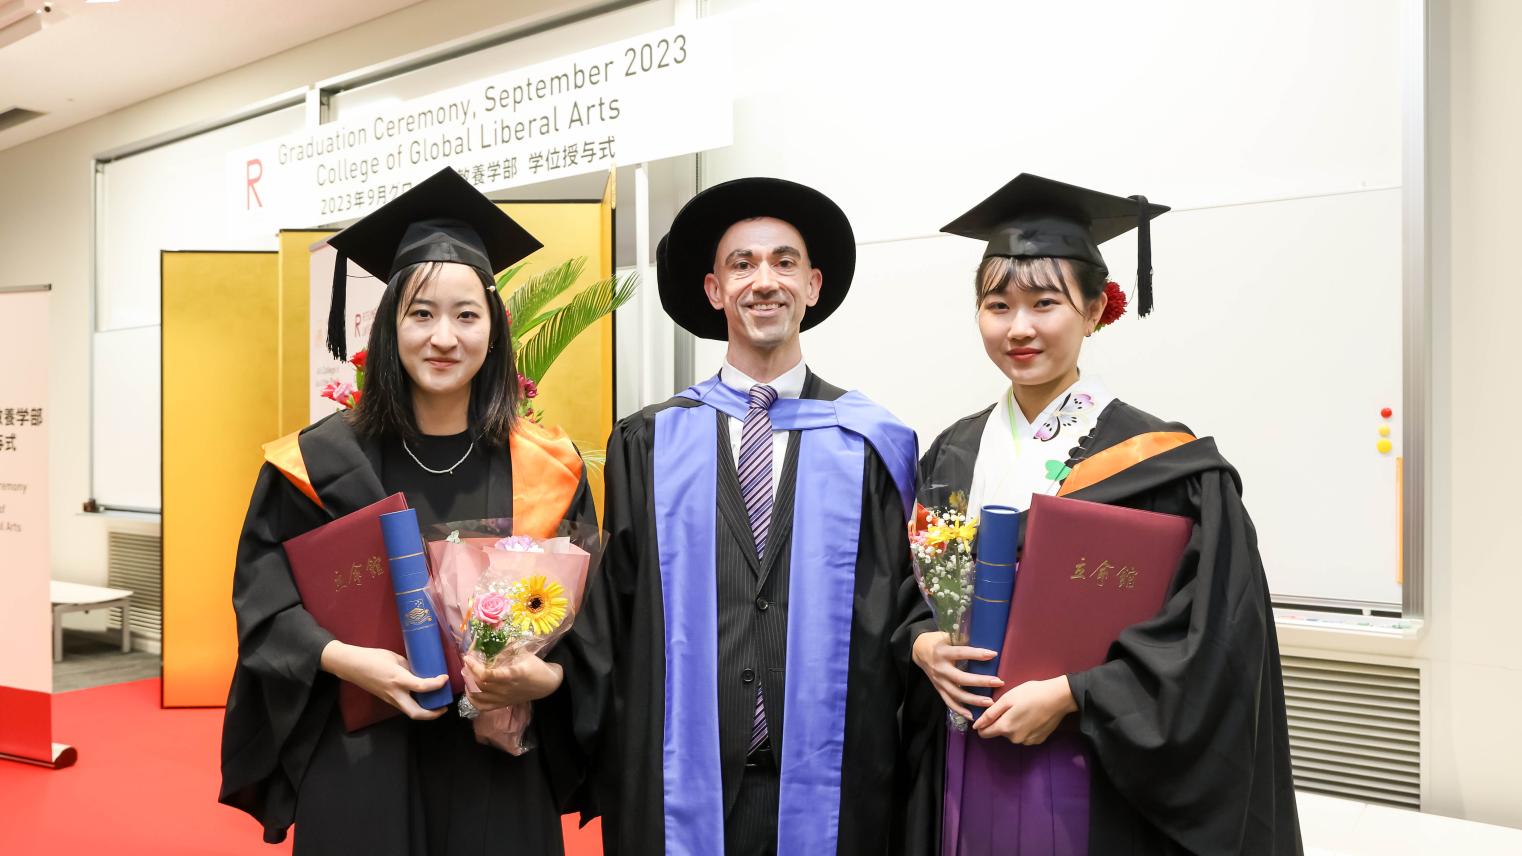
{"points": [[449, 471]]}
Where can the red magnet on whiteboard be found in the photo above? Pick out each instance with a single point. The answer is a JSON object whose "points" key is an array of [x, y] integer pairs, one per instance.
{"points": [[1387, 413]]}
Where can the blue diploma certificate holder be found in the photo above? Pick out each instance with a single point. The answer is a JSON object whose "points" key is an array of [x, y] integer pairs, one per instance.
{"points": [[420, 626], [993, 587]]}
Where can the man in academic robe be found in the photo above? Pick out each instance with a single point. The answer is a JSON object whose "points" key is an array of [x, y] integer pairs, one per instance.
{"points": [[738, 669]]}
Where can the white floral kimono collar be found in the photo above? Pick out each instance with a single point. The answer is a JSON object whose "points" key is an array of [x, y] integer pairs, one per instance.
{"points": [[1018, 458]]}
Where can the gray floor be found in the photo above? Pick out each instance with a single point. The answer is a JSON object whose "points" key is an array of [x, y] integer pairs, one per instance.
{"points": [[96, 659]]}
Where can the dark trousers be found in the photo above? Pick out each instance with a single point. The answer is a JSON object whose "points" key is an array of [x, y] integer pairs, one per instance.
{"points": [[751, 827]]}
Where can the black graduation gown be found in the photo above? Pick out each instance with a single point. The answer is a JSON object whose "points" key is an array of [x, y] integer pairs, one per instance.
{"points": [[397, 787], [617, 675], [1186, 718]]}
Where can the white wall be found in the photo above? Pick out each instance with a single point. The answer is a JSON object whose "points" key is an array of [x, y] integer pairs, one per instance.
{"points": [[1472, 680]]}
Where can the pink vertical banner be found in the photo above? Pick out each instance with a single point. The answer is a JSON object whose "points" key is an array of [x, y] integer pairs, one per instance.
{"points": [[26, 661]]}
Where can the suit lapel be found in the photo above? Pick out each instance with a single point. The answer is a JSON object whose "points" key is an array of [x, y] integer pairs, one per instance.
{"points": [[781, 532], [782, 503], [731, 503]]}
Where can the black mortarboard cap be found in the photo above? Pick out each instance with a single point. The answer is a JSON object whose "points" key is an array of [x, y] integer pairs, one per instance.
{"points": [[1035, 217], [442, 219]]}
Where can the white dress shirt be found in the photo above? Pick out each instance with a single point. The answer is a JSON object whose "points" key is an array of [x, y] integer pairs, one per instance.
{"points": [[788, 385]]}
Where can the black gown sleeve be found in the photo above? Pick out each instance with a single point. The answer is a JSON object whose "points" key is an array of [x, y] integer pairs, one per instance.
{"points": [[1186, 717], [925, 474], [924, 714], [274, 718], [564, 761], [923, 619], [916, 810], [944, 470], [590, 652]]}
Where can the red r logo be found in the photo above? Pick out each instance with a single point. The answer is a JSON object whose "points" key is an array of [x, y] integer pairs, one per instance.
{"points": [[253, 179]]}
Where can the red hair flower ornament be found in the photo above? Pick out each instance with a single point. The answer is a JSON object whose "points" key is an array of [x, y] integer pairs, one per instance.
{"points": [[1115, 306]]}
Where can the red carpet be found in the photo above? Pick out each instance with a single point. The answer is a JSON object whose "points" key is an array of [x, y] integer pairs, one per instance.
{"points": [[146, 782]]}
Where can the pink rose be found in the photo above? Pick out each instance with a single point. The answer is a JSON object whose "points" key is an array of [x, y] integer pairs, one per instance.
{"points": [[491, 608]]}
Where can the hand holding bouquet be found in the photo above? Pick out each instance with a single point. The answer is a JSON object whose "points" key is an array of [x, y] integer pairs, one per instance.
{"points": [[941, 543], [504, 598]]}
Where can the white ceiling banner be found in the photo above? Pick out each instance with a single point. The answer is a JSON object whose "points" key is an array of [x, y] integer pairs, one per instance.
{"points": [[660, 95]]}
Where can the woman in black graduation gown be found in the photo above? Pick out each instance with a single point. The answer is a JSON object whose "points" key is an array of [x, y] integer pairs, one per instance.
{"points": [[437, 422], [1181, 745]]}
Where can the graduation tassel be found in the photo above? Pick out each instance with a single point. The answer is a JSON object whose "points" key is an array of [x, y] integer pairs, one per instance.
{"points": [[337, 343], [1143, 258]]}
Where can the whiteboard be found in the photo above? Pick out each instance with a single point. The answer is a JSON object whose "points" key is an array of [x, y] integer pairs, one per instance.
{"points": [[169, 198], [125, 421], [1278, 274]]}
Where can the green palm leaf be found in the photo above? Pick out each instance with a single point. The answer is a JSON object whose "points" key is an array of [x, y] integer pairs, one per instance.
{"points": [[507, 277], [561, 326], [527, 304]]}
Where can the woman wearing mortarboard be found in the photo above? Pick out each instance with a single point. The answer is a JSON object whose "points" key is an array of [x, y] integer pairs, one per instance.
{"points": [[1178, 742], [438, 423]]}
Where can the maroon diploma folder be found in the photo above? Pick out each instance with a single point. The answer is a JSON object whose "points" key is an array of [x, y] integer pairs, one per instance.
{"points": [[345, 582], [1088, 572]]}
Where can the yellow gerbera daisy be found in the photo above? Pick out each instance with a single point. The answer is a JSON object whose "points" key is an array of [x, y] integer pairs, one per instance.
{"points": [[539, 605]]}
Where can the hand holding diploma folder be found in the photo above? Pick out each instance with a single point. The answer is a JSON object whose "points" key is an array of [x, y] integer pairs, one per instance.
{"points": [[349, 582], [1088, 572]]}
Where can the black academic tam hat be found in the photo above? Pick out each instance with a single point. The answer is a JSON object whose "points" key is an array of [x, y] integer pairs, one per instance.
{"points": [[442, 219], [685, 254], [1035, 217]]}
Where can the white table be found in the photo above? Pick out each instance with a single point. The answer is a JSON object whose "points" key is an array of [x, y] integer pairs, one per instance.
{"points": [[78, 597]]}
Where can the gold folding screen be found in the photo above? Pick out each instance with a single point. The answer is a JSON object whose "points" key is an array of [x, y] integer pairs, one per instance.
{"points": [[219, 398]]}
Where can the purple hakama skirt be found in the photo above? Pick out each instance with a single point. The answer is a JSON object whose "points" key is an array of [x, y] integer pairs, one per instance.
{"points": [[1012, 800]]}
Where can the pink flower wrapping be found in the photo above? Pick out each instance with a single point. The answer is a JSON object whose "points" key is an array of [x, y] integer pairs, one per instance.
{"points": [[469, 576]]}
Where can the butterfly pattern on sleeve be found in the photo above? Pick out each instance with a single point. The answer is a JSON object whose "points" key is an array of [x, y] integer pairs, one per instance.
{"points": [[1064, 415]]}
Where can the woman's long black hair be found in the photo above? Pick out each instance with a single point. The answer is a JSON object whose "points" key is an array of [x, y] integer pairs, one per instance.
{"points": [[385, 408]]}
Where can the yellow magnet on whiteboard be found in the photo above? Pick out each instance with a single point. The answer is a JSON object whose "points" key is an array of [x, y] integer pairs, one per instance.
{"points": [[1384, 430], [1385, 447]]}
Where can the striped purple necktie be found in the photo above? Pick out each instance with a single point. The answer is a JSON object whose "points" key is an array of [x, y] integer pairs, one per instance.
{"points": [[755, 471]]}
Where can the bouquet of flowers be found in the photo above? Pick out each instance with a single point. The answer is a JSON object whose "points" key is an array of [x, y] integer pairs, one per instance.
{"points": [[504, 596], [941, 541]]}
